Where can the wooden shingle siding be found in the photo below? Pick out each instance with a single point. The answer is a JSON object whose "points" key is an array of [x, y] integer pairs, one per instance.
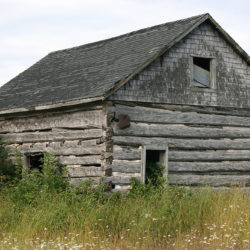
{"points": [[169, 78]]}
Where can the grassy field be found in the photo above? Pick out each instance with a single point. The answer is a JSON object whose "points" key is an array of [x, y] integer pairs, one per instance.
{"points": [[173, 218], [42, 211]]}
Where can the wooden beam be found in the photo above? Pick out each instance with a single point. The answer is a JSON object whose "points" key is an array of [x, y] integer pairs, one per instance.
{"points": [[181, 131], [157, 115], [83, 160], [80, 119], [219, 155], [219, 180], [202, 167], [26, 137], [188, 143]]}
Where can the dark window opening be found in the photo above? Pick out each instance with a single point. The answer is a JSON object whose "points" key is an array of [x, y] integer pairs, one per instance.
{"points": [[155, 166], [202, 62], [201, 72], [35, 161]]}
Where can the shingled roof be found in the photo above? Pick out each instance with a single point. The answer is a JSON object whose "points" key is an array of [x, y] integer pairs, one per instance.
{"points": [[93, 71]]}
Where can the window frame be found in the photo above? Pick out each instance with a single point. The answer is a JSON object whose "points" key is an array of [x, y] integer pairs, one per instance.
{"points": [[212, 82], [27, 157], [161, 147]]}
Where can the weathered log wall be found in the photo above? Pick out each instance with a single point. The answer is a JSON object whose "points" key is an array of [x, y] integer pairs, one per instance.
{"points": [[76, 137], [204, 148]]}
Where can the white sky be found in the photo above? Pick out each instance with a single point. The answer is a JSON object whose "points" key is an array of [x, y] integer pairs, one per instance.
{"points": [[30, 29]]}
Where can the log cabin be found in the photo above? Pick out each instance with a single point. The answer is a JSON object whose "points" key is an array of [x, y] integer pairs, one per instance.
{"points": [[176, 93]]}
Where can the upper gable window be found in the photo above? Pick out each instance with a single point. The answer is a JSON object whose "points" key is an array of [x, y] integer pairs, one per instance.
{"points": [[203, 75]]}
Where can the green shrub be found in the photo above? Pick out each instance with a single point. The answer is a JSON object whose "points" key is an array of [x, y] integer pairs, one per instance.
{"points": [[9, 173], [51, 179], [154, 174]]}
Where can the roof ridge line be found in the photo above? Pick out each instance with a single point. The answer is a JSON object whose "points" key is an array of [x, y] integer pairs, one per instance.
{"points": [[127, 34], [123, 81]]}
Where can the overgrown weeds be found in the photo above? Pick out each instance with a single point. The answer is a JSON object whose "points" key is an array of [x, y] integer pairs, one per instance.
{"points": [[45, 210], [9, 173]]}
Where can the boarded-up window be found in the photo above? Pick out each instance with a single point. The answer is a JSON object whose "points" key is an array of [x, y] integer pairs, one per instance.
{"points": [[201, 72]]}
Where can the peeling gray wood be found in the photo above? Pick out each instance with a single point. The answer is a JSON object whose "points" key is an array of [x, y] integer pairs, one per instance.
{"points": [[220, 155], [183, 143], [81, 119], [181, 131], [125, 166], [84, 160], [154, 115], [51, 136], [203, 167], [126, 153], [57, 149], [213, 180], [225, 111], [80, 171], [168, 79]]}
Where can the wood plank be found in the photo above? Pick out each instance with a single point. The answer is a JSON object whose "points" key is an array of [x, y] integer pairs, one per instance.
{"points": [[155, 115], [213, 180], [126, 166], [81, 119], [181, 131], [173, 143], [220, 155], [202, 167], [59, 149], [225, 111], [126, 153], [84, 160], [51, 136], [80, 171], [120, 174]]}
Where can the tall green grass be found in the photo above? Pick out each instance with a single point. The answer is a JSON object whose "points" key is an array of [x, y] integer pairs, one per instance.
{"points": [[43, 210], [160, 217]]}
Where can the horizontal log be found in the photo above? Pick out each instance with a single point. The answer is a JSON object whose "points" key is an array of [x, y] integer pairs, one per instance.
{"points": [[126, 153], [173, 143], [229, 111], [181, 131], [51, 136], [202, 167], [126, 166], [203, 109], [80, 119], [156, 115], [220, 155], [120, 174], [62, 149], [79, 171], [211, 180], [84, 160]]}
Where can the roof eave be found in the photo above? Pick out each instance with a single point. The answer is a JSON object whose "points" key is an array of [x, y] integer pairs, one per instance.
{"points": [[51, 106]]}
